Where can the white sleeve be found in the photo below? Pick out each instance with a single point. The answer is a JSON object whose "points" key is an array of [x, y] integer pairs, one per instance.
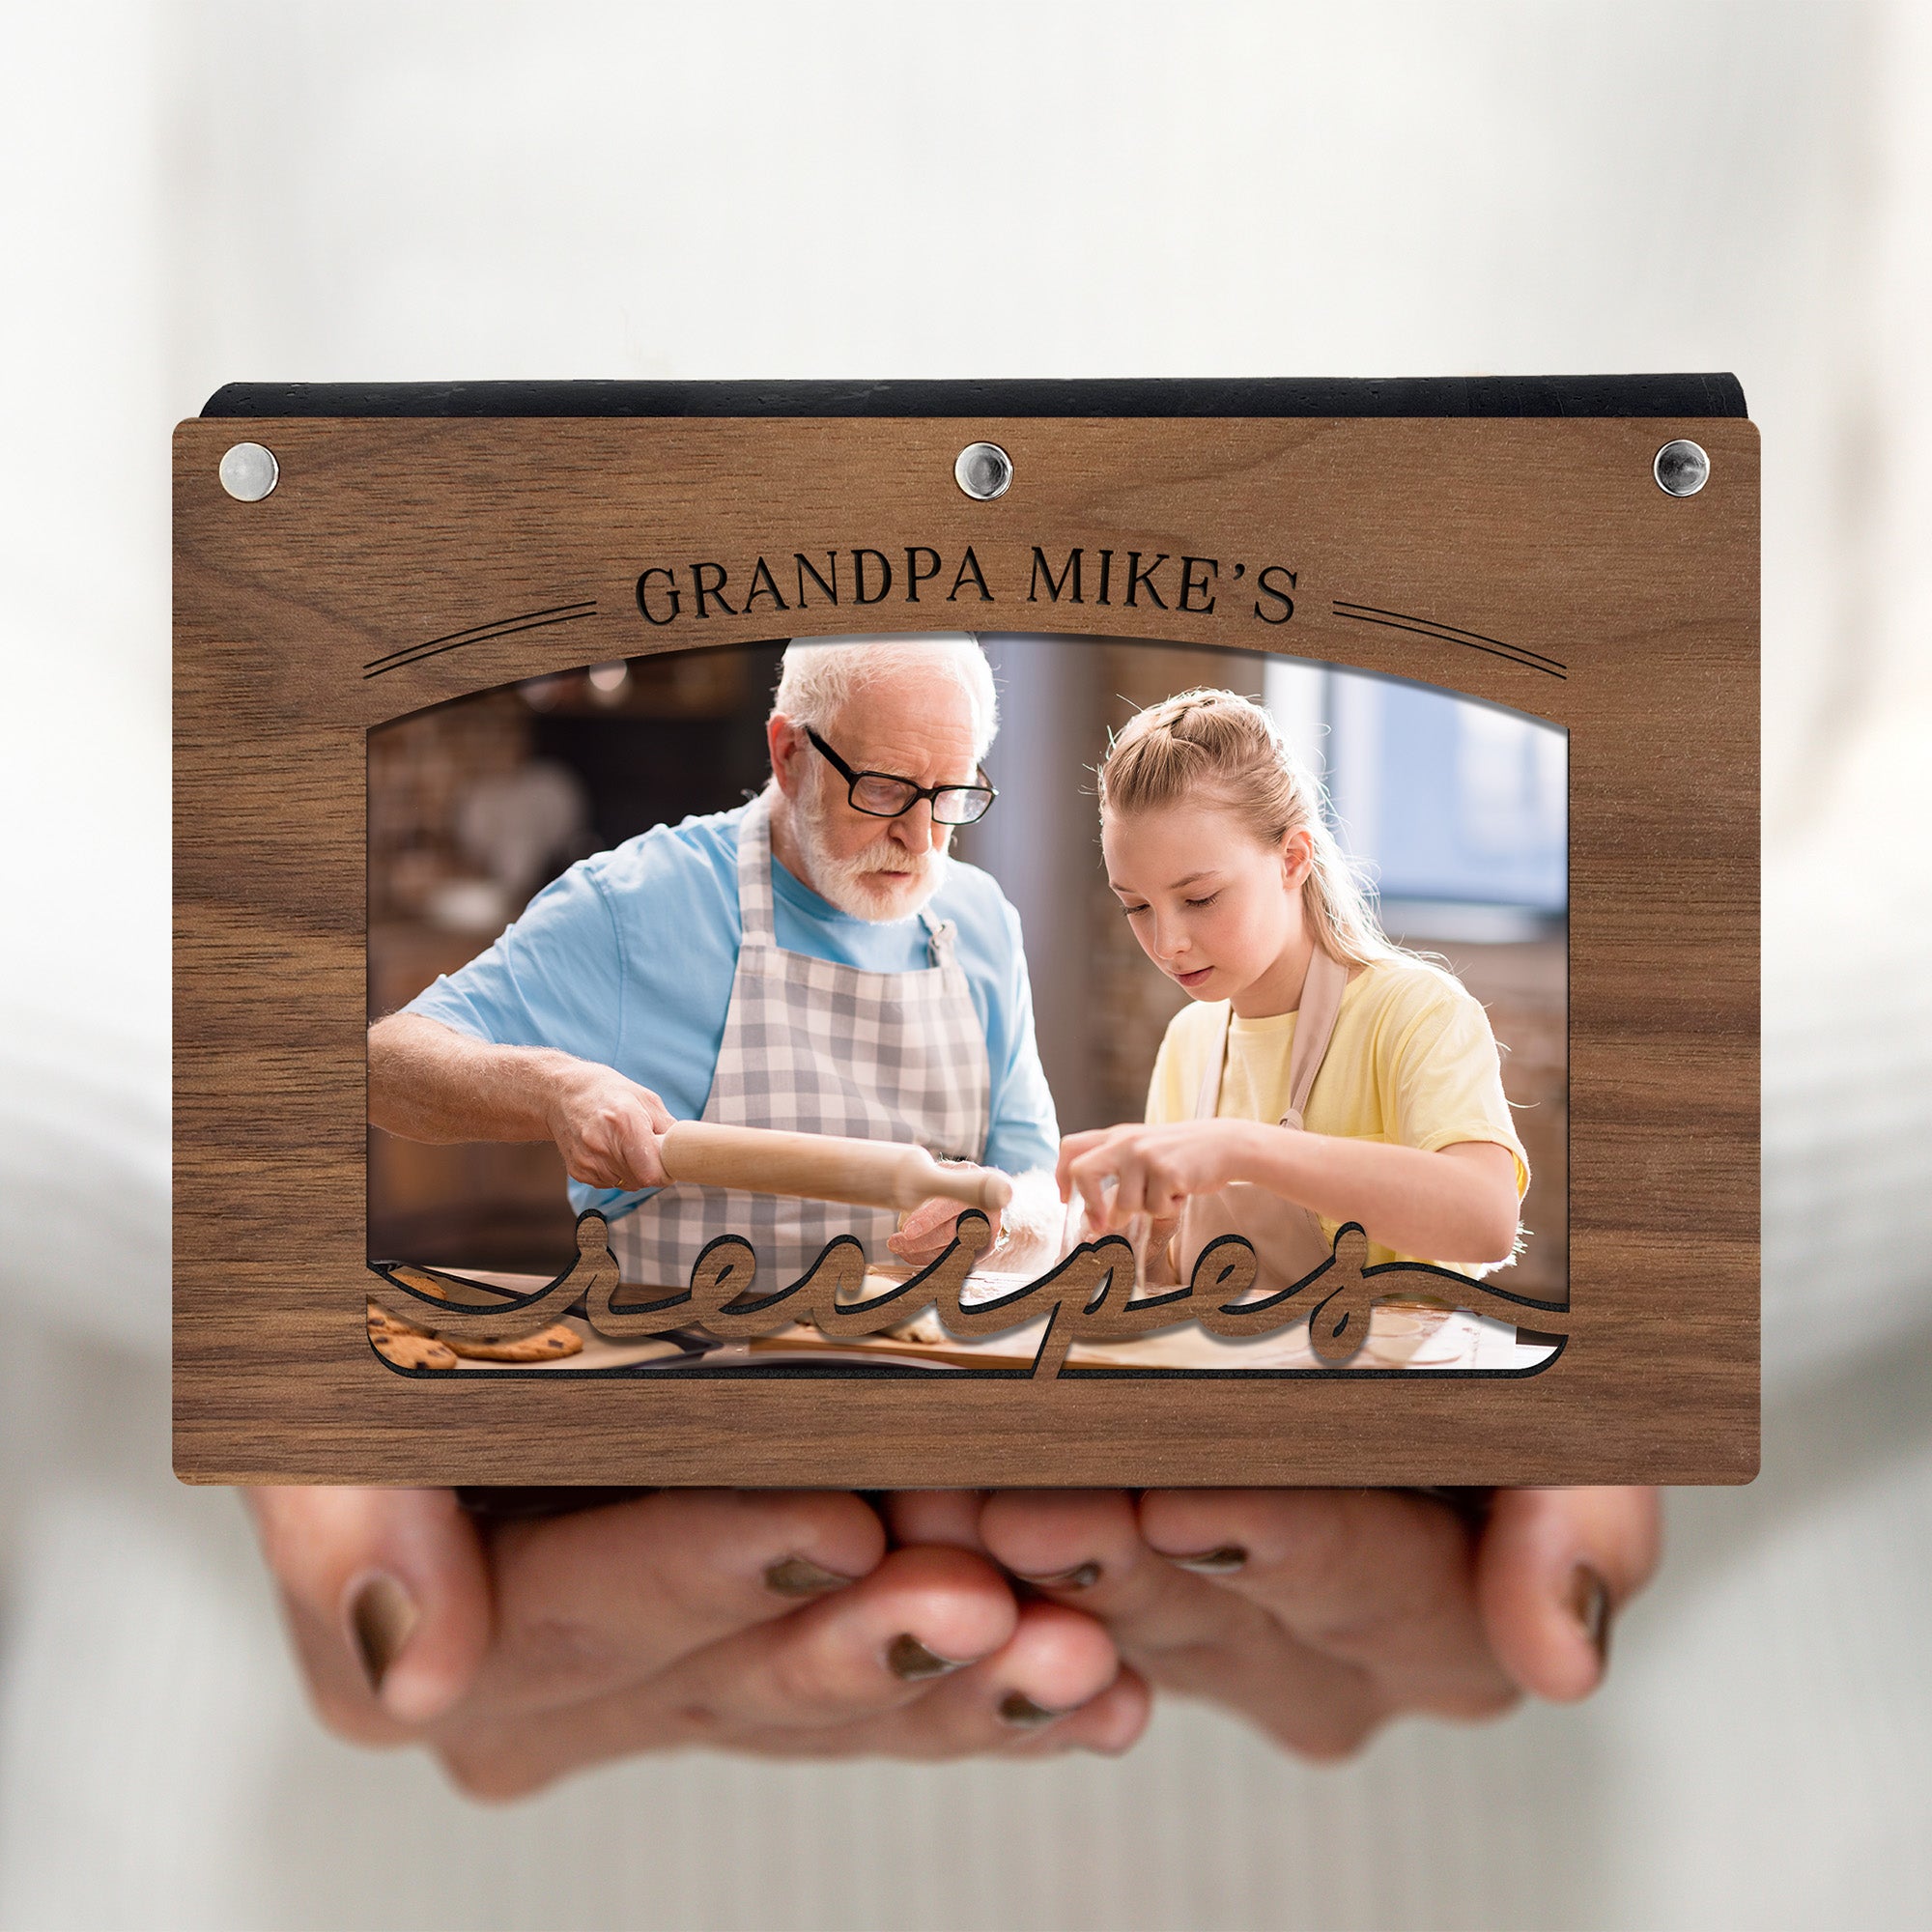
{"points": [[1847, 1061], [85, 1222]]}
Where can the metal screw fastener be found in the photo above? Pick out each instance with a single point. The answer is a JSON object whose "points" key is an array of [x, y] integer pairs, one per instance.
{"points": [[983, 470], [1681, 468], [249, 472]]}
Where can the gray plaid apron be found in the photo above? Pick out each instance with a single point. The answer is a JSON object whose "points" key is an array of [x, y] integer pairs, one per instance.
{"points": [[815, 1047]]}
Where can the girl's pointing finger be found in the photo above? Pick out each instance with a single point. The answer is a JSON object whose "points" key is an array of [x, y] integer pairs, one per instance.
{"points": [[1072, 1149]]}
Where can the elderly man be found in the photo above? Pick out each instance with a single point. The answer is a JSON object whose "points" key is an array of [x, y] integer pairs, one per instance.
{"points": [[813, 960]]}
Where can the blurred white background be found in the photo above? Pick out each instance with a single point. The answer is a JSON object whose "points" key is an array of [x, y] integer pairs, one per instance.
{"points": [[200, 192]]}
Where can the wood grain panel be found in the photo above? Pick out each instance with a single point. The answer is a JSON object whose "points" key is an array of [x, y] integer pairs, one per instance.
{"points": [[389, 540]]}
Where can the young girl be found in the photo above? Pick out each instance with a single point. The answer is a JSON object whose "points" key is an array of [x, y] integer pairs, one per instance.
{"points": [[1322, 1074]]}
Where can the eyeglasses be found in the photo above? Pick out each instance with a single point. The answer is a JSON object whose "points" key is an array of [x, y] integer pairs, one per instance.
{"points": [[881, 795]]}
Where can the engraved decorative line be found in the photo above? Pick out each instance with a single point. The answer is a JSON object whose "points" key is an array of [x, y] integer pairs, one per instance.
{"points": [[480, 634], [1447, 631], [1448, 634], [476, 630]]}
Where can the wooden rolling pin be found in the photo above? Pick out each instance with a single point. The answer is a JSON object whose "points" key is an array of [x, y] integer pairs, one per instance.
{"points": [[822, 1167]]}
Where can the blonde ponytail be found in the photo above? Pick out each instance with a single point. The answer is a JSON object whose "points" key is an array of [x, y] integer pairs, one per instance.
{"points": [[1222, 744]]}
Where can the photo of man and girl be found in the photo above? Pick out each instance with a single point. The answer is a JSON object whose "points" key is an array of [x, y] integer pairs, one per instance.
{"points": [[1136, 959]]}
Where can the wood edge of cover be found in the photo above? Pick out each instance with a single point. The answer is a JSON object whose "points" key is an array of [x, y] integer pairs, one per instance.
{"points": [[1714, 394]]}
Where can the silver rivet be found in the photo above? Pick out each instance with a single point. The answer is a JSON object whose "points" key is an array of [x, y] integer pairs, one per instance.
{"points": [[983, 470], [1681, 468], [248, 471]]}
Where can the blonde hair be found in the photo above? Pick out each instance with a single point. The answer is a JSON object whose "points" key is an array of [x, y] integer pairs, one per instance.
{"points": [[1222, 744]]}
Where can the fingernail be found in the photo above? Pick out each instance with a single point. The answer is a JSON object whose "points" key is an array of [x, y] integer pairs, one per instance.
{"points": [[382, 1615], [1221, 1562], [909, 1660], [801, 1577], [1019, 1710], [1082, 1577], [1590, 1602]]}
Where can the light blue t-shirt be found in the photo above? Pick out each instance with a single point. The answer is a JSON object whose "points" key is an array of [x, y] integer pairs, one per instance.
{"points": [[628, 959]]}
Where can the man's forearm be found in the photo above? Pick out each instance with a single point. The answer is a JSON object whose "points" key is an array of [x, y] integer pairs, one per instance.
{"points": [[428, 1082]]}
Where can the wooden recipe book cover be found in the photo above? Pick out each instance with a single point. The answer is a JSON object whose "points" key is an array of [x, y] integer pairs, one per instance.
{"points": [[924, 933]]}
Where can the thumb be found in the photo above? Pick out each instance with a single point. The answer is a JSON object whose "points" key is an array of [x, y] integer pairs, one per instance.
{"points": [[656, 1112], [388, 1597], [1554, 1567], [640, 1152]]}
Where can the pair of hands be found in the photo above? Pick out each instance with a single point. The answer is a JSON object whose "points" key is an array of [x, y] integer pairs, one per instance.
{"points": [[936, 1625], [1455, 1203], [610, 1131], [1135, 1169]]}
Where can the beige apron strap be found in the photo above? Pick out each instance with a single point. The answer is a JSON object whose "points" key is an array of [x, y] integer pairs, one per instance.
{"points": [[1320, 1000], [1208, 1104]]}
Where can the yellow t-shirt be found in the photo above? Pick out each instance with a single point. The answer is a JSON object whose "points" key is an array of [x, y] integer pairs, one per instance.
{"points": [[1412, 1063]]}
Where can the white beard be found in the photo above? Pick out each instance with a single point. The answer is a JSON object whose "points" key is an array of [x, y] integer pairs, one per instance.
{"points": [[853, 885]]}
